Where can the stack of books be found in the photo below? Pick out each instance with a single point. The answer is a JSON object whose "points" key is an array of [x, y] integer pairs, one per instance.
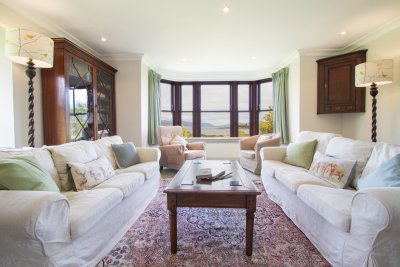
{"points": [[205, 175]]}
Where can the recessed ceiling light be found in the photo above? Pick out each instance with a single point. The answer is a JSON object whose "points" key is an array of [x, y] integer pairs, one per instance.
{"points": [[226, 9], [343, 33], [253, 57], [103, 39], [183, 59]]}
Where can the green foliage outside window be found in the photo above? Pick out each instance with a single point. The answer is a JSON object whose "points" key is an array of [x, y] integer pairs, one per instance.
{"points": [[266, 123]]}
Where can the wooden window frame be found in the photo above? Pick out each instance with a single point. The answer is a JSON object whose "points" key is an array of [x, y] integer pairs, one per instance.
{"points": [[254, 104]]}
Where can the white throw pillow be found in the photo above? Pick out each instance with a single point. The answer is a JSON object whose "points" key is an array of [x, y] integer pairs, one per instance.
{"points": [[338, 172], [178, 140], [88, 175]]}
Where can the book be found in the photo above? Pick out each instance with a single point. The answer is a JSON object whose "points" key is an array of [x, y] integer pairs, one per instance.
{"points": [[204, 174]]}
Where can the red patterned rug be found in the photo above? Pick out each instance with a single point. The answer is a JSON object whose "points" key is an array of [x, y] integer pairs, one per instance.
{"points": [[214, 237]]}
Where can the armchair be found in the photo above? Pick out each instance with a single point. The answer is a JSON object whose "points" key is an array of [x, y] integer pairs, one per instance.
{"points": [[174, 155], [249, 156]]}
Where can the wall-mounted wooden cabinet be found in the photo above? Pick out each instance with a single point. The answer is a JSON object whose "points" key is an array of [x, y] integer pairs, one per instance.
{"points": [[78, 96], [336, 87]]}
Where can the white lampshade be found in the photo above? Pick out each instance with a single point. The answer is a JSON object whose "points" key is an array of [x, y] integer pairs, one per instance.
{"points": [[378, 72], [23, 44]]}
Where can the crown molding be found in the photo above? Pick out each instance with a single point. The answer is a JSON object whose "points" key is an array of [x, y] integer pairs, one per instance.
{"points": [[214, 76], [122, 56], [391, 25], [55, 30]]}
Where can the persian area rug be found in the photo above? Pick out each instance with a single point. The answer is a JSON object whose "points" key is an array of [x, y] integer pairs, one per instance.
{"points": [[214, 237]]}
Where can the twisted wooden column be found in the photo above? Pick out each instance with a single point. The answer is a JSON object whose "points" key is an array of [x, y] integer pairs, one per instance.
{"points": [[373, 92], [31, 72]]}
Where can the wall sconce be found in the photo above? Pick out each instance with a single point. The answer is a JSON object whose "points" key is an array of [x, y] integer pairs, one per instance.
{"points": [[33, 50], [371, 74]]}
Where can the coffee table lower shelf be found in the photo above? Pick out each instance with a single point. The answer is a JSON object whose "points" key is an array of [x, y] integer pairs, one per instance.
{"points": [[212, 200]]}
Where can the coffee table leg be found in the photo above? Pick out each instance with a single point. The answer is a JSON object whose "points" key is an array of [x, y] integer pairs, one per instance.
{"points": [[251, 208], [172, 230]]}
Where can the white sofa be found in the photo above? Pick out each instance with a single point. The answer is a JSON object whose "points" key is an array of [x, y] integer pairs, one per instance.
{"points": [[74, 228], [349, 227]]}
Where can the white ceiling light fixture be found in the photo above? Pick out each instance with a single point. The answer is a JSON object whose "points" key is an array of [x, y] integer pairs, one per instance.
{"points": [[226, 9], [343, 33], [103, 39]]}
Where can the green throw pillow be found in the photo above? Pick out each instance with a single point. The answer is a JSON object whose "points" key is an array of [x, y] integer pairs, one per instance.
{"points": [[25, 173], [125, 154], [300, 154]]}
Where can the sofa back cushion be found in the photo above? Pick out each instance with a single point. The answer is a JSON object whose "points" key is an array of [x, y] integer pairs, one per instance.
{"points": [[80, 152], [322, 138], [42, 155], [350, 149], [103, 147], [381, 153]]}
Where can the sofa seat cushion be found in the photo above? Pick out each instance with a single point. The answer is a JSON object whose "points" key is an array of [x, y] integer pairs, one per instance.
{"points": [[334, 205], [248, 154], [126, 182], [194, 154], [292, 179], [149, 169], [270, 167], [89, 207]]}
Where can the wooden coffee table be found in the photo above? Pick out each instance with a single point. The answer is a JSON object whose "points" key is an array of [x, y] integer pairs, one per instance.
{"points": [[183, 191]]}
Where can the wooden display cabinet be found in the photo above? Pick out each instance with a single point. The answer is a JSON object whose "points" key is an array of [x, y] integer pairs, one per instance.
{"points": [[336, 86], [78, 96]]}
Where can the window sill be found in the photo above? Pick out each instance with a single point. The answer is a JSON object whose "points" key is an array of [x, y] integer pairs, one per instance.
{"points": [[214, 139]]}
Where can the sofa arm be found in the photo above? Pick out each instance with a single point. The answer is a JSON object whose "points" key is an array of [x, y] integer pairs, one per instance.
{"points": [[196, 146], [273, 153], [375, 227], [147, 154], [34, 226]]}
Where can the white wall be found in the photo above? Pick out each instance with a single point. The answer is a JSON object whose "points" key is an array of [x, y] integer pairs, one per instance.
{"points": [[17, 113], [388, 100], [6, 97], [309, 120], [222, 150], [144, 110], [294, 98], [128, 100]]}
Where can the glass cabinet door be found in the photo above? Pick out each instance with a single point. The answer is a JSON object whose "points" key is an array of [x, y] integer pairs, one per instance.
{"points": [[104, 107], [81, 124]]}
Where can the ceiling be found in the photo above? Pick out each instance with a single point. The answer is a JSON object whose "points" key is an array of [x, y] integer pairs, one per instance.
{"points": [[195, 36]]}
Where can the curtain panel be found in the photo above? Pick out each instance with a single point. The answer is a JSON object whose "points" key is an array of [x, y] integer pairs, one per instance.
{"points": [[280, 85], [154, 106]]}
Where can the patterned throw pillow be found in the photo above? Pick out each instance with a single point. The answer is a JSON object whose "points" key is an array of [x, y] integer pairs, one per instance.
{"points": [[338, 172], [178, 140], [88, 175]]}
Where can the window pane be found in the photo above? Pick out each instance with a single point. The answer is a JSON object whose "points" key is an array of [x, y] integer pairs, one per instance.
{"points": [[187, 124], [187, 97], [265, 122], [215, 97], [244, 124], [215, 124], [165, 89], [166, 118], [266, 96], [243, 96]]}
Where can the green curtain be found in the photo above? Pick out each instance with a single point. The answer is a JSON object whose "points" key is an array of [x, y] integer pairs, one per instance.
{"points": [[280, 85], [154, 106]]}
